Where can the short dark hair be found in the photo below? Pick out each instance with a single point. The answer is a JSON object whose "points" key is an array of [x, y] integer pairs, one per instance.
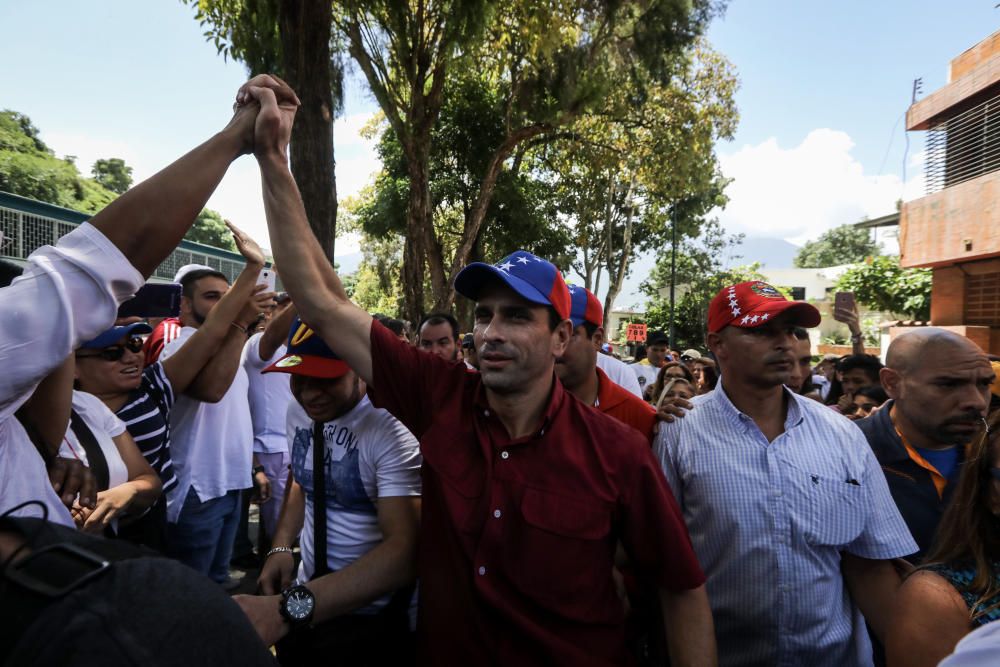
{"points": [[590, 328], [866, 362], [555, 319], [657, 338], [874, 392], [434, 319], [191, 277], [397, 327]]}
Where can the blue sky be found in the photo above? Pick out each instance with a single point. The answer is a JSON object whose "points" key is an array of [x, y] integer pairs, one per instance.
{"points": [[822, 88]]}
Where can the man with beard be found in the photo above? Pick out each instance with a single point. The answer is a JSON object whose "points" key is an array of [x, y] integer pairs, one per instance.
{"points": [[437, 333], [523, 499], [787, 508], [211, 436], [939, 383]]}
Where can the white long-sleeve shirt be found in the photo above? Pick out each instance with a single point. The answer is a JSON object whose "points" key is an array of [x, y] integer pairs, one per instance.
{"points": [[67, 295]]}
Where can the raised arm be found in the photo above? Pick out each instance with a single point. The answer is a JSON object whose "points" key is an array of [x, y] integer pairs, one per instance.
{"points": [[307, 274], [184, 368], [148, 221]]}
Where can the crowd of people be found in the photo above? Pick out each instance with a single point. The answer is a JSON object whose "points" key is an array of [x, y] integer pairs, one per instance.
{"points": [[516, 495]]}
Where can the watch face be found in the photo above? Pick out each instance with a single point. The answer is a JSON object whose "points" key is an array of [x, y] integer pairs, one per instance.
{"points": [[299, 604]]}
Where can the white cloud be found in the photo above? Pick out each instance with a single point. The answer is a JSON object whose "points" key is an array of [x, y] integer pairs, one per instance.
{"points": [[798, 193]]}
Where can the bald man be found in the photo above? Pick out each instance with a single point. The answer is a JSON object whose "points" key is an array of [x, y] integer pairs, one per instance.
{"points": [[939, 386]]}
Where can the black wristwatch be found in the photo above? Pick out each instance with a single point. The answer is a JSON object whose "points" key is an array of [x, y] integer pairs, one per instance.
{"points": [[297, 605]]}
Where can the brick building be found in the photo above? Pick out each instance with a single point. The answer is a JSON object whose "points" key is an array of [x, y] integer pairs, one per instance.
{"points": [[955, 228]]}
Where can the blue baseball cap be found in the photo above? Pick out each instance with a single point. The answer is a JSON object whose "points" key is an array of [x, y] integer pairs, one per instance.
{"points": [[308, 355], [115, 334], [584, 307], [533, 278]]}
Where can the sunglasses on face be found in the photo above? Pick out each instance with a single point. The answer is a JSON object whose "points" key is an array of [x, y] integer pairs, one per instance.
{"points": [[116, 352]]}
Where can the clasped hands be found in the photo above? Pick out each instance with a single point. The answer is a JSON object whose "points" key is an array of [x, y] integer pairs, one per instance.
{"points": [[264, 113]]}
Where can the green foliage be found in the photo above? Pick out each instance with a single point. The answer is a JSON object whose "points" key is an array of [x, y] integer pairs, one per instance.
{"points": [[210, 229], [845, 244], [524, 209], [882, 284], [700, 275], [29, 168], [113, 174]]}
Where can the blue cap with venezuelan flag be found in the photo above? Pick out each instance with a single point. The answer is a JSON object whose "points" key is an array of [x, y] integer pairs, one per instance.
{"points": [[308, 355]]}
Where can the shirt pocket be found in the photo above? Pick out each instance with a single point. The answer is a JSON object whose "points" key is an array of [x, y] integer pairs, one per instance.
{"points": [[560, 555], [834, 510]]}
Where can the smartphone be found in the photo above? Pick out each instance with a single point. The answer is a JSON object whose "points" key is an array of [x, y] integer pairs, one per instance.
{"points": [[153, 300], [270, 278], [844, 301]]}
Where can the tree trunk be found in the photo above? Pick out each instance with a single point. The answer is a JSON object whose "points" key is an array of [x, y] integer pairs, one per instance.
{"points": [[618, 267], [305, 37], [421, 241], [474, 221]]}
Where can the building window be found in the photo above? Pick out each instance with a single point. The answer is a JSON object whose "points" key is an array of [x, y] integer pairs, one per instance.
{"points": [[965, 146], [982, 299]]}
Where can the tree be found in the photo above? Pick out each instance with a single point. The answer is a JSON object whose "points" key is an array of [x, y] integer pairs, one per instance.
{"points": [[113, 174], [882, 284], [523, 212], [29, 168], [644, 163], [701, 272], [210, 229], [845, 244], [548, 63], [291, 38]]}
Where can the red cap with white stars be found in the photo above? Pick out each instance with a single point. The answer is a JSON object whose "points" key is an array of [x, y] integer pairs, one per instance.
{"points": [[751, 304]]}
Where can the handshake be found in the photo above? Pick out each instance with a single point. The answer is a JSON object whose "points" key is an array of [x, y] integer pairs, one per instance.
{"points": [[263, 115]]}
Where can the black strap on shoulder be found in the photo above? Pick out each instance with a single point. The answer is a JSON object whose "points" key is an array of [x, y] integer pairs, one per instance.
{"points": [[319, 501], [95, 455]]}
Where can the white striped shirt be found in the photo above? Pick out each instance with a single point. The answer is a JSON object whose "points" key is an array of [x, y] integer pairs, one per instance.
{"points": [[769, 522]]}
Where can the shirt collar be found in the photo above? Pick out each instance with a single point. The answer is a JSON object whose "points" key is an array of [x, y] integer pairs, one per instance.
{"points": [[731, 412], [556, 398], [607, 397]]}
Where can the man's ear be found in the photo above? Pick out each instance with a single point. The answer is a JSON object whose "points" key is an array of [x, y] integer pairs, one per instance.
{"points": [[560, 337], [598, 338], [891, 381], [714, 342]]}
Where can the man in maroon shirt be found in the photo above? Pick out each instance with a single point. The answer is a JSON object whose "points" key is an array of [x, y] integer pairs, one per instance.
{"points": [[578, 371], [526, 490]]}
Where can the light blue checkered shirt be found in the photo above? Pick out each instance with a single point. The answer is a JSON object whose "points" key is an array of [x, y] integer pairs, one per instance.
{"points": [[768, 522]]}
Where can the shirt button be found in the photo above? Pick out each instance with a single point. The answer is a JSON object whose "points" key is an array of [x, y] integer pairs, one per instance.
{"points": [[486, 413], [482, 570], [777, 494], [505, 454], [497, 514]]}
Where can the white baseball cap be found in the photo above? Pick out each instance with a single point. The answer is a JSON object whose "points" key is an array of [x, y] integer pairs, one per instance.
{"points": [[188, 268]]}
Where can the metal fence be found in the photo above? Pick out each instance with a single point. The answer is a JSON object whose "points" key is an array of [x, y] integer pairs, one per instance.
{"points": [[964, 146], [28, 225]]}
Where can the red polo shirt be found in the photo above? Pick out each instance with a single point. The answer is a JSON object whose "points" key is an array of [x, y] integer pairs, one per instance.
{"points": [[623, 405], [518, 536]]}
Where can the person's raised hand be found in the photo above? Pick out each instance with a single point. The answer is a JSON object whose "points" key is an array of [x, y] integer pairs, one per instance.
{"points": [[848, 316], [246, 245], [273, 125], [241, 125], [256, 307]]}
